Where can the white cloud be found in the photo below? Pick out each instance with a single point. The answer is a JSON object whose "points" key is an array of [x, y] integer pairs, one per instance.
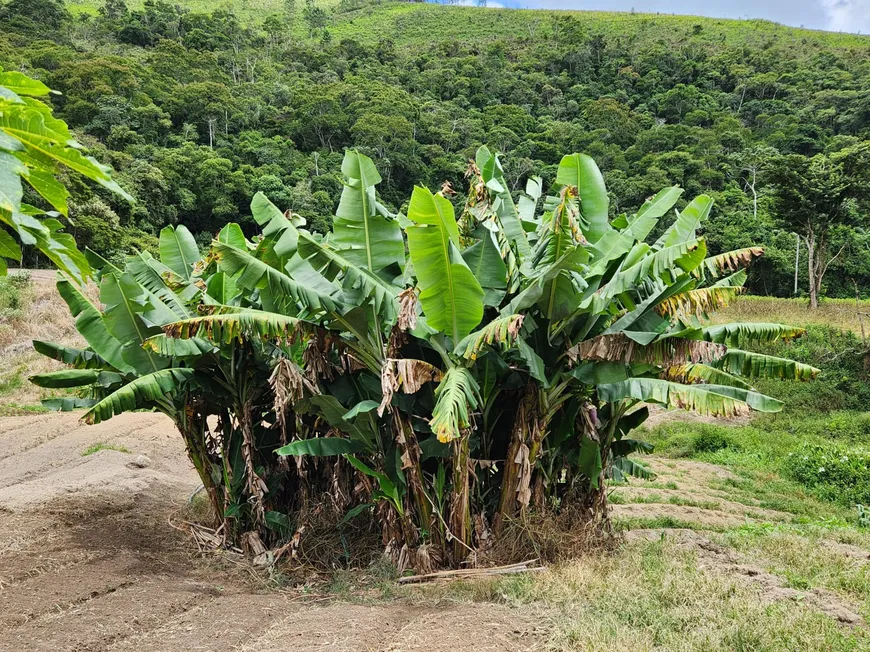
{"points": [[847, 15]]}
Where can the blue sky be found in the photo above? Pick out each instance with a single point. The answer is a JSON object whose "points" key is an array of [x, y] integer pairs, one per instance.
{"points": [[834, 15]]}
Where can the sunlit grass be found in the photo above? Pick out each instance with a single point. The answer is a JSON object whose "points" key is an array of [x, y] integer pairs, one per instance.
{"points": [[807, 560], [617, 498], [840, 313], [405, 22], [103, 446]]}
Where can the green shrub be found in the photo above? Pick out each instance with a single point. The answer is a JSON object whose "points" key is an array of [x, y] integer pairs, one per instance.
{"points": [[13, 296], [832, 472], [691, 439], [11, 379], [842, 425], [709, 440], [843, 384]]}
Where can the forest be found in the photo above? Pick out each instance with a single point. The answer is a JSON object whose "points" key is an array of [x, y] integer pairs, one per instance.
{"points": [[196, 112]]}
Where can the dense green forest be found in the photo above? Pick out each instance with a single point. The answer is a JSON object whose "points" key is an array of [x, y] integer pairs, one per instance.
{"points": [[199, 111]]}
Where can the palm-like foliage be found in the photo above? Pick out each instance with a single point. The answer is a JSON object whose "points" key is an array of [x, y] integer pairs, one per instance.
{"points": [[499, 368], [33, 146]]}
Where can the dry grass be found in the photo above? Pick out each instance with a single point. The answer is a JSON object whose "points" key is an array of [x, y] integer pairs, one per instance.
{"points": [[43, 316], [656, 593], [840, 313], [550, 537], [808, 559], [654, 596]]}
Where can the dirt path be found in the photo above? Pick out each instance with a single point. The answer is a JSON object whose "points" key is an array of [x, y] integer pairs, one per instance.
{"points": [[88, 561]]}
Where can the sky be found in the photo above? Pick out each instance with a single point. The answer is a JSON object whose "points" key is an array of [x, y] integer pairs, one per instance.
{"points": [[834, 15]]}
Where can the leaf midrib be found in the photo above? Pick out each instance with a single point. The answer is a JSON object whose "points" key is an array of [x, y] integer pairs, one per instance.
{"points": [[87, 171], [559, 235], [365, 216], [185, 265], [135, 323], [445, 246]]}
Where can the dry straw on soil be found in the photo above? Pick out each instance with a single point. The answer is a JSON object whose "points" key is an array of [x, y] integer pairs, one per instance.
{"points": [[839, 313], [44, 316]]}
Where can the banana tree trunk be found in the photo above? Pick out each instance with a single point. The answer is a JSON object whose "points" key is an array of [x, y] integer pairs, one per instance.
{"points": [[459, 520], [594, 507], [516, 464], [410, 449], [192, 428]]}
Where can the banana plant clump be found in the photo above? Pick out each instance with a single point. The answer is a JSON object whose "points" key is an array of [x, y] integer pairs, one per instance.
{"points": [[444, 374]]}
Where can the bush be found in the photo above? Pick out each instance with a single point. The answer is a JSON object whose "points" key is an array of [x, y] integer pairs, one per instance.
{"points": [[13, 296], [692, 439], [863, 515], [832, 472], [843, 384], [710, 440], [842, 425]]}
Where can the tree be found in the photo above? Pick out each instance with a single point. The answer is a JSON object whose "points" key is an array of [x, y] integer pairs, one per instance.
{"points": [[814, 197], [36, 14], [114, 9], [749, 164], [315, 16]]}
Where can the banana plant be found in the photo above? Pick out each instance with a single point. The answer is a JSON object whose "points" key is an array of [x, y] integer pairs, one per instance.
{"points": [[444, 375]]}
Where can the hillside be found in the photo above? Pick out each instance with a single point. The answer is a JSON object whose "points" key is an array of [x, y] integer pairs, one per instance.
{"points": [[284, 427], [198, 111], [734, 532], [425, 22]]}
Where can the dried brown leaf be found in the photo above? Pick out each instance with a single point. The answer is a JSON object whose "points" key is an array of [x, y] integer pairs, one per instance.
{"points": [[616, 347], [407, 310]]}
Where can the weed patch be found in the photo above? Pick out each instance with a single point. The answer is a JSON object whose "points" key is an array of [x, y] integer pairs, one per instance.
{"points": [[833, 472], [12, 381], [654, 595], [101, 446], [624, 524]]}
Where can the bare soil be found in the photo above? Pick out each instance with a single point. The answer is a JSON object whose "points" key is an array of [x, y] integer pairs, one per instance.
{"points": [[90, 561]]}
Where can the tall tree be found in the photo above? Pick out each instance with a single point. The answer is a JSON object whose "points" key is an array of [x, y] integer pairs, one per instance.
{"points": [[815, 197], [749, 164]]}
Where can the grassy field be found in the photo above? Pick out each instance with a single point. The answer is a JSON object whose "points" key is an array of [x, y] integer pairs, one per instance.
{"points": [[656, 595], [839, 313], [412, 22], [245, 8]]}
